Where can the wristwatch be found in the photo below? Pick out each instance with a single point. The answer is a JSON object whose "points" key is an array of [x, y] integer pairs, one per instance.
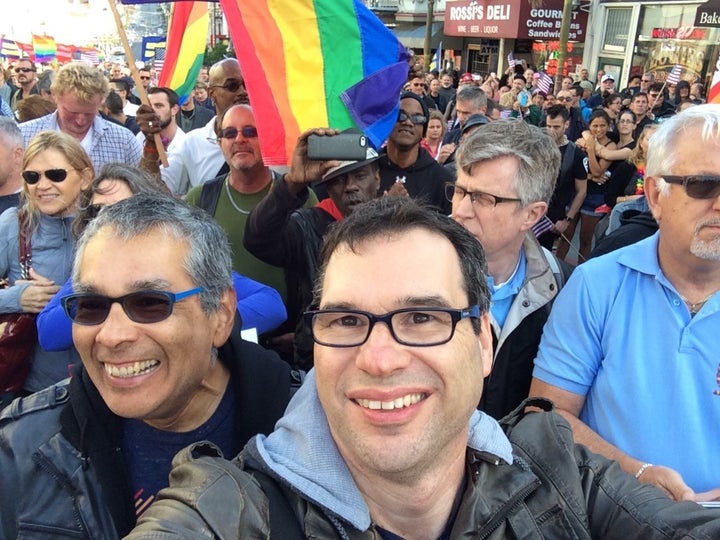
{"points": [[568, 218]]}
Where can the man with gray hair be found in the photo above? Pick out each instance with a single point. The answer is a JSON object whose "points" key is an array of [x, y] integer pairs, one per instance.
{"points": [[79, 91], [163, 365], [629, 354], [469, 100], [506, 176], [11, 156]]}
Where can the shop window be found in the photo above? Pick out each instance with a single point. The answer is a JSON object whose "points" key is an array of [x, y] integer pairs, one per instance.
{"points": [[617, 29]]}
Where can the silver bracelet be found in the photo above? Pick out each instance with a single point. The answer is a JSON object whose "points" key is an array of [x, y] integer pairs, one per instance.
{"points": [[644, 467]]}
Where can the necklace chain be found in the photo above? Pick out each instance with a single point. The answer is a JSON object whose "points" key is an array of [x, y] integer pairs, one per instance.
{"points": [[694, 307], [232, 201]]}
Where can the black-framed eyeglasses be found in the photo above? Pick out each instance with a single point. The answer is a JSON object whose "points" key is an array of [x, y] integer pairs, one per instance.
{"points": [[54, 175], [89, 309], [697, 186], [415, 327], [564, 99], [24, 70], [416, 119], [480, 198], [231, 85], [249, 132]]}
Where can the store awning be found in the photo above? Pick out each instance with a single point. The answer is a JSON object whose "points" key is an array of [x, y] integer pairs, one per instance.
{"points": [[414, 37]]}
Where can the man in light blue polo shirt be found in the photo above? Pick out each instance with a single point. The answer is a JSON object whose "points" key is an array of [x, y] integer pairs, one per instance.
{"points": [[629, 354]]}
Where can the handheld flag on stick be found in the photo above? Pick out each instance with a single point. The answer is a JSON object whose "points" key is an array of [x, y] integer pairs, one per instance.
{"points": [[714, 92], [674, 75], [544, 82], [437, 62], [44, 47]]}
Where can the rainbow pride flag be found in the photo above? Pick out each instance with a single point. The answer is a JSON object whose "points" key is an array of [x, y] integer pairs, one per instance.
{"points": [[44, 47], [713, 95], [185, 49], [316, 63]]}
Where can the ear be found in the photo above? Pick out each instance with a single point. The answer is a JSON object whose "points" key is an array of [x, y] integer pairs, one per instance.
{"points": [[533, 213], [224, 317], [377, 180], [652, 194], [87, 176], [175, 109], [486, 344]]}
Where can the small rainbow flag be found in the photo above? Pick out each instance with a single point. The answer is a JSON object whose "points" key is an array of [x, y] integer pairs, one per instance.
{"points": [[185, 49], [316, 63], [44, 47]]}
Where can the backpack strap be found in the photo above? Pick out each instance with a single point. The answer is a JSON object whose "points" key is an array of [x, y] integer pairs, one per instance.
{"points": [[210, 195], [284, 524]]}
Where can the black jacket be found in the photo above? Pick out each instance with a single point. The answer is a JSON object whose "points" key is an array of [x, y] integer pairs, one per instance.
{"points": [[425, 179], [280, 232], [63, 471], [554, 489]]}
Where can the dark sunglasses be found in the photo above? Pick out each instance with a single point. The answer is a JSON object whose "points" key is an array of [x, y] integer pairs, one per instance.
{"points": [[24, 70], [144, 307], [416, 119], [144, 78], [231, 85], [697, 186], [54, 175], [249, 132]]}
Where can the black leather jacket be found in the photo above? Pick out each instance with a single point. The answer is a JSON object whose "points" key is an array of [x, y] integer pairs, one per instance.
{"points": [[62, 472], [554, 489]]}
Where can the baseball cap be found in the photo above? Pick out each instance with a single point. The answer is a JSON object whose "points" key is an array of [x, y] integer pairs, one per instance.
{"points": [[348, 166], [466, 77], [587, 85], [607, 77]]}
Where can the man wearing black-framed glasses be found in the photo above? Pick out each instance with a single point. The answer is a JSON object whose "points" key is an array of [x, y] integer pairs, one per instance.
{"points": [[506, 176], [619, 384], [406, 168], [383, 439], [163, 365]]}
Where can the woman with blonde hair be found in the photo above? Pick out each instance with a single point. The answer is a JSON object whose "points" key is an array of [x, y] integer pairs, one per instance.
{"points": [[55, 169], [436, 130]]}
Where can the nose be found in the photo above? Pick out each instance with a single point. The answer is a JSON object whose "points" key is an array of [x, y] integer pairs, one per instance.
{"points": [[116, 329], [381, 355], [462, 207]]}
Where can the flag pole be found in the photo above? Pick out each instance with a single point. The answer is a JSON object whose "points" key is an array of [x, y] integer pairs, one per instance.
{"points": [[136, 77]]}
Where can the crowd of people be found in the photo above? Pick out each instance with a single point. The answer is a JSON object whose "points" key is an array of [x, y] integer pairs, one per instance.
{"points": [[399, 346]]}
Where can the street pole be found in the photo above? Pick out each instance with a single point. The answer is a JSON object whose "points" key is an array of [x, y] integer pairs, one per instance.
{"points": [[562, 48], [428, 33]]}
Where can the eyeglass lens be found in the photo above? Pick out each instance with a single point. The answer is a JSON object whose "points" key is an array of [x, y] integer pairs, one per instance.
{"points": [[248, 132]]}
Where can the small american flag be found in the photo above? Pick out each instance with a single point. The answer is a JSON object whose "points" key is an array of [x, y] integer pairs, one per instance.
{"points": [[674, 75], [544, 82], [511, 59], [90, 57], [159, 60], [542, 226]]}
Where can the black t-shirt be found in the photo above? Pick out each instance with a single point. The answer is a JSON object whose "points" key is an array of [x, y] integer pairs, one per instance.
{"points": [[8, 201], [565, 187]]}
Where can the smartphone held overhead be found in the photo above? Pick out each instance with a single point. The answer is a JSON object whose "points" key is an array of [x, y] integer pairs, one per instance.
{"points": [[343, 147]]}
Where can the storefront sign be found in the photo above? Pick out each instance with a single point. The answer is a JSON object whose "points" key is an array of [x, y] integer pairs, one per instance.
{"points": [[511, 19], [708, 14], [683, 32]]}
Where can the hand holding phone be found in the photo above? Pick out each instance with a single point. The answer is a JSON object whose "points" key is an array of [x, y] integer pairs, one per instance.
{"points": [[343, 147]]}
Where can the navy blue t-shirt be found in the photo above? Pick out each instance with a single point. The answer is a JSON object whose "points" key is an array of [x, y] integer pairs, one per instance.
{"points": [[149, 452]]}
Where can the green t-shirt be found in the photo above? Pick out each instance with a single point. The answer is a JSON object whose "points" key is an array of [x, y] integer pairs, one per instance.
{"points": [[233, 222]]}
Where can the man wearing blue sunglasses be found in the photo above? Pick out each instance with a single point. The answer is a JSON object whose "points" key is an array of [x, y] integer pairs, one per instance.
{"points": [[162, 366]]}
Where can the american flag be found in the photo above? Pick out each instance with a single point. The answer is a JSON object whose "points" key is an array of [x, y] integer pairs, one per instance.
{"points": [[544, 82], [159, 60], [511, 59], [542, 226], [674, 75], [90, 56]]}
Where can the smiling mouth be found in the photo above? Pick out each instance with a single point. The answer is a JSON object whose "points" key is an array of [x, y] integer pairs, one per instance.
{"points": [[131, 370], [397, 403]]}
